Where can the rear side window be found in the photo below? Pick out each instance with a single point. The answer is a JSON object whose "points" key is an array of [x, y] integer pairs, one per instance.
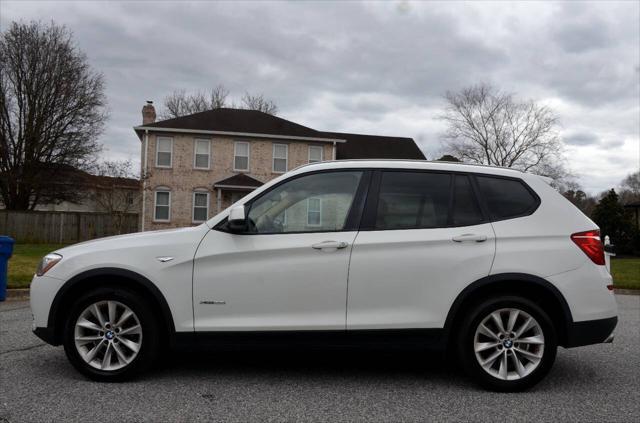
{"points": [[466, 211], [413, 200], [506, 198]]}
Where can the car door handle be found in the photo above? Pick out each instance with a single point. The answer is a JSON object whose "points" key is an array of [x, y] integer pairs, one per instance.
{"points": [[329, 244], [469, 237]]}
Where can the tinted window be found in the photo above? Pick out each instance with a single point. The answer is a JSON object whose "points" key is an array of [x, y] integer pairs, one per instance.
{"points": [[314, 203], [466, 211], [413, 200], [505, 197]]}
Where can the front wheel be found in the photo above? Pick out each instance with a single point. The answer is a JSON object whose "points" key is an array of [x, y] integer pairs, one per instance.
{"points": [[110, 335], [507, 343]]}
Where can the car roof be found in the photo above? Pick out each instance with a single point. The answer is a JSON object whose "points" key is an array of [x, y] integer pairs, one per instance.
{"points": [[410, 164]]}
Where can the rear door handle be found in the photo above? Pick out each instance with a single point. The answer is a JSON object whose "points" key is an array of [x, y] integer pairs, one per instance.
{"points": [[330, 244], [469, 237]]}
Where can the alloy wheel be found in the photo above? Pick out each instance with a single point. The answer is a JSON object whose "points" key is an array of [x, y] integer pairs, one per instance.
{"points": [[509, 344], [108, 335]]}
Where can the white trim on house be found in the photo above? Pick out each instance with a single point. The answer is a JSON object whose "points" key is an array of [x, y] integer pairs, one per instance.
{"points": [[248, 156], [273, 158], [193, 205], [195, 153], [239, 187], [155, 204], [158, 139], [311, 147], [236, 134]]}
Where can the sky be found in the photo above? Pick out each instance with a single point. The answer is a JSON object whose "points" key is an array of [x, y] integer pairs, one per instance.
{"points": [[371, 67]]}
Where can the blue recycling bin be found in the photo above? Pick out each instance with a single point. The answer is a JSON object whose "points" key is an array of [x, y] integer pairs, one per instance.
{"points": [[6, 249]]}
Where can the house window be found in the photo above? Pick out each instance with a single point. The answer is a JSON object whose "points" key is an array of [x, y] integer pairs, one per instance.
{"points": [[162, 212], [200, 206], [315, 153], [202, 154], [314, 212], [280, 154], [164, 150], [241, 156]]}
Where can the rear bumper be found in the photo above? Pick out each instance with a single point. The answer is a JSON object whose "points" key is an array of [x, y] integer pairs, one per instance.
{"points": [[590, 332]]}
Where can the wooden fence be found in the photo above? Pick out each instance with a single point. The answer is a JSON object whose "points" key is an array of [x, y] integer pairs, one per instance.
{"points": [[40, 227]]}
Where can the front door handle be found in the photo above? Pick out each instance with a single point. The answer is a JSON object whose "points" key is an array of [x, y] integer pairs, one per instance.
{"points": [[469, 237], [330, 245]]}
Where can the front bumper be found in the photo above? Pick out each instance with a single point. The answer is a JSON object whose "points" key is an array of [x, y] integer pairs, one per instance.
{"points": [[590, 332], [46, 334]]}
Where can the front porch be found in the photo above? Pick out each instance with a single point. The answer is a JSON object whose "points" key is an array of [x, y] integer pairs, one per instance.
{"points": [[232, 189]]}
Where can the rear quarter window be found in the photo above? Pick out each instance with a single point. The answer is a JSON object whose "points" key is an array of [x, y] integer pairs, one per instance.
{"points": [[506, 198]]}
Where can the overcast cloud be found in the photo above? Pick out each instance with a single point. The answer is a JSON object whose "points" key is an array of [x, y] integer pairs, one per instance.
{"points": [[378, 68]]}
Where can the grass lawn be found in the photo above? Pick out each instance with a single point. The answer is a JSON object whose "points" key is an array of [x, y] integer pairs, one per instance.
{"points": [[22, 266], [626, 272], [23, 263]]}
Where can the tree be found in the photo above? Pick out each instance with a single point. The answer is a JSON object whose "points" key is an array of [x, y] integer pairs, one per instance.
{"points": [[573, 192], [180, 103], [259, 103], [52, 110], [487, 126], [113, 194], [609, 215], [630, 188]]}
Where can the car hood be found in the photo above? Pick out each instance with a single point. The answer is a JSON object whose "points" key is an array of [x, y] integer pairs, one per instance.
{"points": [[137, 252]]}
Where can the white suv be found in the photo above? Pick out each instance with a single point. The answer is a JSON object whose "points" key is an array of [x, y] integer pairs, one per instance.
{"points": [[490, 263]]}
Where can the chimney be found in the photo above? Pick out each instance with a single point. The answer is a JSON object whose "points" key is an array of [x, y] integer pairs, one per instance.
{"points": [[148, 113]]}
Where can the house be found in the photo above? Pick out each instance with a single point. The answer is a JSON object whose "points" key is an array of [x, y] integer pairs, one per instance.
{"points": [[197, 165], [84, 192]]}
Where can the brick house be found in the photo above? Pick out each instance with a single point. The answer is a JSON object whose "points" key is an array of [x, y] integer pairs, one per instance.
{"points": [[200, 164]]}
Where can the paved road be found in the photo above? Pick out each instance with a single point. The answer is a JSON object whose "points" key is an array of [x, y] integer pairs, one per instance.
{"points": [[596, 383]]}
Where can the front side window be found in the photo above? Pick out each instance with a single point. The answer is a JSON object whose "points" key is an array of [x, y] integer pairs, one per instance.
{"points": [[202, 153], [200, 206], [315, 153], [313, 203], [162, 210], [413, 200], [280, 156], [164, 150], [506, 198], [241, 156]]}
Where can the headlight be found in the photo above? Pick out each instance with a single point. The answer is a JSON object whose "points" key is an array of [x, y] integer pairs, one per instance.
{"points": [[47, 263]]}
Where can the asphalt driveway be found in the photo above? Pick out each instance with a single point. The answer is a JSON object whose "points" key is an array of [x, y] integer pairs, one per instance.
{"points": [[596, 383]]}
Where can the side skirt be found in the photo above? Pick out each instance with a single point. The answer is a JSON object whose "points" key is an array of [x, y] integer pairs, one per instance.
{"points": [[384, 339]]}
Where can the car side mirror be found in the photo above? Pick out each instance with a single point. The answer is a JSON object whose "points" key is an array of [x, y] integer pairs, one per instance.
{"points": [[237, 219]]}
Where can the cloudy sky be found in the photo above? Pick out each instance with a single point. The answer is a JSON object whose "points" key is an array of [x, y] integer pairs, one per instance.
{"points": [[378, 67]]}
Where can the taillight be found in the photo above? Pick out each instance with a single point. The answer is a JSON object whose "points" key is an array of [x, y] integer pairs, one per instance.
{"points": [[590, 243]]}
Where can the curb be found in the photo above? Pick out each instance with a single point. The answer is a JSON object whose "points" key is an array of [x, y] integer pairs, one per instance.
{"points": [[17, 294], [622, 291]]}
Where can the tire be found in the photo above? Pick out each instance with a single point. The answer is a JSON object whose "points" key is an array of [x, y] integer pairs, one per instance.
{"points": [[109, 351], [511, 347]]}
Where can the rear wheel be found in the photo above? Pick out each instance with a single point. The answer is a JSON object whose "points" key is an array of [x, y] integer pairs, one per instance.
{"points": [[507, 343], [111, 335]]}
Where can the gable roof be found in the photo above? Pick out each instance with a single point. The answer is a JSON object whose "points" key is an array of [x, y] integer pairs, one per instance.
{"points": [[241, 180], [237, 121], [361, 146]]}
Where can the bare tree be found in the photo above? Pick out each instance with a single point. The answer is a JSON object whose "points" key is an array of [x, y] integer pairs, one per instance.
{"points": [[114, 193], [259, 103], [490, 127], [630, 188], [52, 109], [180, 103]]}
